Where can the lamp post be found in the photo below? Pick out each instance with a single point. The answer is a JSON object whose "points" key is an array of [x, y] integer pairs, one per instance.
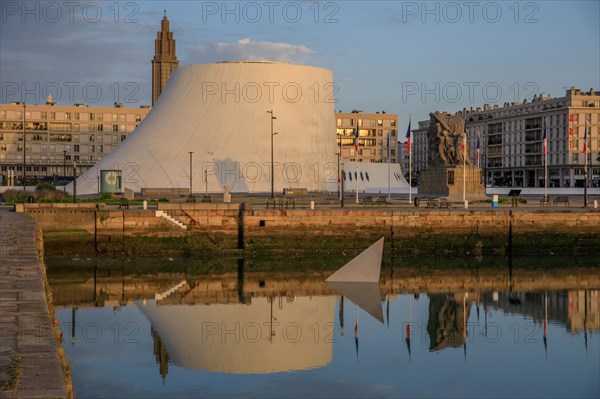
{"points": [[24, 150], [272, 166], [74, 182], [191, 153], [65, 171]]}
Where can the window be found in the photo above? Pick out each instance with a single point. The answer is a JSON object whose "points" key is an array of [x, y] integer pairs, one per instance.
{"points": [[379, 122], [92, 137], [76, 157], [339, 121], [92, 148], [115, 128], [100, 127], [115, 117], [76, 147], [100, 138], [123, 137], [123, 117], [67, 116], [44, 115], [92, 117], [100, 148], [76, 116], [92, 127], [393, 123], [19, 114], [75, 137], [53, 115]]}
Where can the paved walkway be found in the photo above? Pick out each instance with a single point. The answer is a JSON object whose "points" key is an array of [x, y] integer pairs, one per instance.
{"points": [[28, 347]]}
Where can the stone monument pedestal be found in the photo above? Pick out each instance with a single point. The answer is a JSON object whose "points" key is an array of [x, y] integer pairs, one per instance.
{"points": [[447, 181]]}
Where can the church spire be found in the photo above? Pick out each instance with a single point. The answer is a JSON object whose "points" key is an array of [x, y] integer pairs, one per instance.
{"points": [[165, 58]]}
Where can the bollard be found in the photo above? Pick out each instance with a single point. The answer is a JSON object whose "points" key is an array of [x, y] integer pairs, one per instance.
{"points": [[595, 204], [495, 201], [145, 204], [312, 205], [466, 204]]}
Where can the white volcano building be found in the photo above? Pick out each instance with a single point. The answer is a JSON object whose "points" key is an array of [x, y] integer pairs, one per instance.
{"points": [[219, 112]]}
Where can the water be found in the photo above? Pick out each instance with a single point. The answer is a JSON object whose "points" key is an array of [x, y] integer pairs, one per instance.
{"points": [[250, 332]]}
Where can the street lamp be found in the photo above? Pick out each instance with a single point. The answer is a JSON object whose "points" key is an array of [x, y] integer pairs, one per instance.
{"points": [[64, 170], [272, 166], [24, 150], [191, 153]]}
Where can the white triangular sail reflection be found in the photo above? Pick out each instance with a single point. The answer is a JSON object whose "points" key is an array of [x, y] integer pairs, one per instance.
{"points": [[358, 280]]}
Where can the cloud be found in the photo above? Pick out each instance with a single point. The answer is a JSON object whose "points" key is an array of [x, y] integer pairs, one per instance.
{"points": [[248, 49]]}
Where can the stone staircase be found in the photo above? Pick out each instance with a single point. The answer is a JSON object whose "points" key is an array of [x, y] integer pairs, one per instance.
{"points": [[164, 215]]}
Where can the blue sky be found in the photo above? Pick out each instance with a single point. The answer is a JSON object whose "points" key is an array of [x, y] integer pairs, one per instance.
{"points": [[406, 57]]}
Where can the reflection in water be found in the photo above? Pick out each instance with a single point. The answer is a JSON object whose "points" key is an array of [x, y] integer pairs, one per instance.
{"points": [[249, 322], [268, 335], [447, 324]]}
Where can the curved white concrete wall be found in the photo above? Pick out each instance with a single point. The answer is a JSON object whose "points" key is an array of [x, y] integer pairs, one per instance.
{"points": [[219, 111], [374, 178]]}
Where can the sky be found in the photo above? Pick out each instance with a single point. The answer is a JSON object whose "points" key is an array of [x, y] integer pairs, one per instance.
{"points": [[405, 57]]}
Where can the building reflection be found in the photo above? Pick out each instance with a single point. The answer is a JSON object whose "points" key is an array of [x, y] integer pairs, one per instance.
{"points": [[447, 322], [264, 322], [266, 335]]}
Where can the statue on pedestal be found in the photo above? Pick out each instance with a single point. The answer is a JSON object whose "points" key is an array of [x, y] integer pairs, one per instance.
{"points": [[446, 140]]}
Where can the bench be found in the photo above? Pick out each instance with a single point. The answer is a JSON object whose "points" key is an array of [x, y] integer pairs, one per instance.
{"points": [[545, 201], [437, 203], [433, 203], [206, 198], [190, 199], [561, 200], [367, 200], [124, 203], [280, 202], [381, 201]]}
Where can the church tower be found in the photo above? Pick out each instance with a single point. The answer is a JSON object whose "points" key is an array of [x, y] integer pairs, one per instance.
{"points": [[164, 60]]}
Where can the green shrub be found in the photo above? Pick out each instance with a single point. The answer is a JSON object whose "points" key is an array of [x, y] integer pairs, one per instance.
{"points": [[15, 196], [45, 186]]}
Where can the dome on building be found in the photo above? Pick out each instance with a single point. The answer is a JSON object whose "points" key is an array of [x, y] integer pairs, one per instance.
{"points": [[219, 112]]}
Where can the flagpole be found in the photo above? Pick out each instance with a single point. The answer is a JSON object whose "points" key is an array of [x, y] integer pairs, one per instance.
{"points": [[389, 143], [464, 150], [585, 181], [409, 161], [356, 156], [545, 162]]}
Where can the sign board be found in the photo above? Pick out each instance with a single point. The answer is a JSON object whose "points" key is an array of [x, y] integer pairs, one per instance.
{"points": [[111, 181]]}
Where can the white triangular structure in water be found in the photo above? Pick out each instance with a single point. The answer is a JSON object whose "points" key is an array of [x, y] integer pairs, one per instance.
{"points": [[365, 268], [358, 280]]}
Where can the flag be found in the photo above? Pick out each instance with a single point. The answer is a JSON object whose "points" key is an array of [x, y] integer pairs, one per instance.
{"points": [[356, 138], [388, 146], [477, 153], [544, 139], [408, 137], [570, 139], [585, 140], [464, 143]]}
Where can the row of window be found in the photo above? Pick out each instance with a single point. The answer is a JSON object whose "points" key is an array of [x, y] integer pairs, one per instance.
{"points": [[67, 115], [366, 122]]}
